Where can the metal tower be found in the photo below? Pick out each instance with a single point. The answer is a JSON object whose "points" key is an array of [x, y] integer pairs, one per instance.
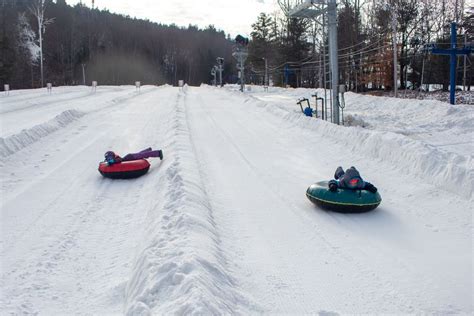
{"points": [[307, 9]]}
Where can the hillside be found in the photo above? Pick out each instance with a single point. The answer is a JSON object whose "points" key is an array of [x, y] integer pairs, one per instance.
{"points": [[222, 224]]}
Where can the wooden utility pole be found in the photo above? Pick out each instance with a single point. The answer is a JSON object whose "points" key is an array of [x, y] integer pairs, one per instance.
{"points": [[394, 39]]}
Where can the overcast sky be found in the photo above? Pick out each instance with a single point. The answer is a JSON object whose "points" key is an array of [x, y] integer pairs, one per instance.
{"points": [[232, 16]]}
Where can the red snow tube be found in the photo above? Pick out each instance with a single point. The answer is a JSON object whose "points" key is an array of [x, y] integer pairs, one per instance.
{"points": [[125, 169]]}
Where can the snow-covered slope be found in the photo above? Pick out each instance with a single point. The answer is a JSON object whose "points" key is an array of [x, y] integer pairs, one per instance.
{"points": [[222, 224], [430, 140]]}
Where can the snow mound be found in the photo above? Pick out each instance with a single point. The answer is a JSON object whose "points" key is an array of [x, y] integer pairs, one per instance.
{"points": [[354, 120], [419, 115], [182, 269], [12, 144]]}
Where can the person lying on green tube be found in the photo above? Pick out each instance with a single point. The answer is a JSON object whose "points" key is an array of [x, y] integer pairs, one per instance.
{"points": [[351, 180]]}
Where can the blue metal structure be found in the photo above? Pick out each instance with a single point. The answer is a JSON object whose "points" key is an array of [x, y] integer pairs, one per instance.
{"points": [[452, 52]]}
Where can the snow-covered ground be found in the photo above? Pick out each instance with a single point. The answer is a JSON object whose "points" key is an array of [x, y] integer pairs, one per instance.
{"points": [[222, 224]]}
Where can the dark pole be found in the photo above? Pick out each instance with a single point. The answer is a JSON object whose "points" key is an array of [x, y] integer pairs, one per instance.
{"points": [[453, 64]]}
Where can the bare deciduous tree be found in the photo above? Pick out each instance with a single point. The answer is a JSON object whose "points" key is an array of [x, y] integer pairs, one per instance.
{"points": [[37, 9]]}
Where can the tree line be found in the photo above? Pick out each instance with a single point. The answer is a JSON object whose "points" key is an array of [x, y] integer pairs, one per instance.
{"points": [[80, 44], [297, 49]]}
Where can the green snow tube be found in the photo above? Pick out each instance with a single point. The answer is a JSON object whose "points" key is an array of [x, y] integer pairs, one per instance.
{"points": [[342, 200]]}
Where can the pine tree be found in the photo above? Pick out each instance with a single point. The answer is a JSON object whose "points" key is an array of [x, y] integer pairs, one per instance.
{"points": [[294, 49], [262, 44]]}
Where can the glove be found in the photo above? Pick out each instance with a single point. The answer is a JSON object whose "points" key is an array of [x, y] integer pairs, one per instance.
{"points": [[370, 187], [339, 173], [332, 186]]}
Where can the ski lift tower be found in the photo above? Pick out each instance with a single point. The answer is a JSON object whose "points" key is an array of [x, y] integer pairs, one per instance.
{"points": [[240, 53], [220, 62], [310, 9], [213, 73]]}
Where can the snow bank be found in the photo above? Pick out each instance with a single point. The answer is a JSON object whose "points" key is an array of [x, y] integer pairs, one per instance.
{"points": [[435, 121], [451, 171], [355, 120], [11, 144], [411, 115], [182, 268]]}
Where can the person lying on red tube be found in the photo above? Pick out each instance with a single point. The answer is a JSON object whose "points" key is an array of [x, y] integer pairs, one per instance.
{"points": [[112, 158]]}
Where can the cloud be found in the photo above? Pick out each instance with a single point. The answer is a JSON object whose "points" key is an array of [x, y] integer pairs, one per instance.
{"points": [[232, 16]]}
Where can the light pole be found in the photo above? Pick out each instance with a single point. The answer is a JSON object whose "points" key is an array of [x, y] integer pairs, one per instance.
{"points": [[265, 83], [83, 74]]}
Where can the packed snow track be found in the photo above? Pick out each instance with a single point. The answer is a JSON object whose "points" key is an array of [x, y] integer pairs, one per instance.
{"points": [[222, 224]]}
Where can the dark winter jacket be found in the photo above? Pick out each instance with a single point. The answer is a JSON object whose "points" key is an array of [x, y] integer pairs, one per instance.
{"points": [[350, 179]]}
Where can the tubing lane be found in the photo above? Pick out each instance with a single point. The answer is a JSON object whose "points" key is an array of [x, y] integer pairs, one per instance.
{"points": [[182, 267]]}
